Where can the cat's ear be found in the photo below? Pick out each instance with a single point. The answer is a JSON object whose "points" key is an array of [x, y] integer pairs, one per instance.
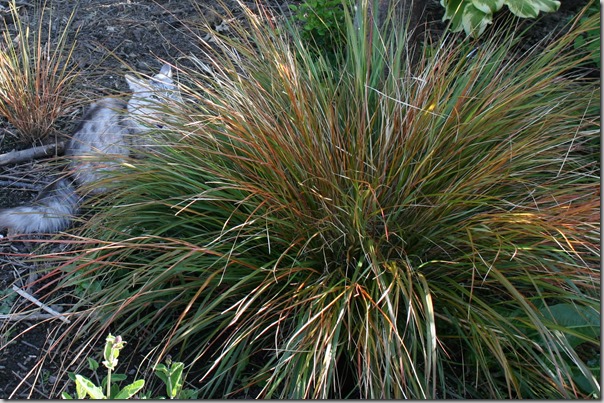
{"points": [[166, 70], [136, 84]]}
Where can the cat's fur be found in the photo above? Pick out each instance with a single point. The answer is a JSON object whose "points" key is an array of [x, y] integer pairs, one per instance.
{"points": [[110, 130]]}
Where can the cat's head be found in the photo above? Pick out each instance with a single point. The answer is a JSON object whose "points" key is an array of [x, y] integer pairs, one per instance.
{"points": [[150, 97]]}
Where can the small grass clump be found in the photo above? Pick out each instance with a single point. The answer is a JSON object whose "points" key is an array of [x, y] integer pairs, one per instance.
{"points": [[36, 75], [311, 231]]}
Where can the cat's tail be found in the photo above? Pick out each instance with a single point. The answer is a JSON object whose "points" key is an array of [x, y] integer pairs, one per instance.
{"points": [[51, 212]]}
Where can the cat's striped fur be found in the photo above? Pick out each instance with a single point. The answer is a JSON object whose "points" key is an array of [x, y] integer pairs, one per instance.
{"points": [[109, 131]]}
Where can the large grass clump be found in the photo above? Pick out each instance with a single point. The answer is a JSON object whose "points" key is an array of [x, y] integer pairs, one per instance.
{"points": [[365, 230]]}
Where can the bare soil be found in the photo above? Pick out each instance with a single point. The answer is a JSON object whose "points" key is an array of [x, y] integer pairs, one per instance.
{"points": [[113, 38]]}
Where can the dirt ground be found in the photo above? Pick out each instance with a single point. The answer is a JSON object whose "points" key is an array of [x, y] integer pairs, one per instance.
{"points": [[113, 37]]}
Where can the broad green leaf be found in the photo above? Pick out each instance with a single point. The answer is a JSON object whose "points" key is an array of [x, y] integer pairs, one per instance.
{"points": [[113, 389], [475, 21], [130, 390], [95, 392], [531, 8], [585, 384], [162, 372], [171, 376], [474, 15], [488, 6], [114, 378], [578, 319], [80, 390], [452, 7], [454, 12], [176, 378], [118, 377]]}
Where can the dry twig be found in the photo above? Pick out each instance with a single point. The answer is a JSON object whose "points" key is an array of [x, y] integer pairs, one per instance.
{"points": [[32, 153], [40, 304]]}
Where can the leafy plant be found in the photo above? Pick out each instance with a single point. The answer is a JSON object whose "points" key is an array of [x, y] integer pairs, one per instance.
{"points": [[171, 375], [85, 387], [322, 23], [474, 15], [591, 40], [36, 75], [314, 231]]}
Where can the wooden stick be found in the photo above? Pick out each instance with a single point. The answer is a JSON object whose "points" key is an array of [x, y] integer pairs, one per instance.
{"points": [[21, 185], [40, 304], [27, 316], [32, 153]]}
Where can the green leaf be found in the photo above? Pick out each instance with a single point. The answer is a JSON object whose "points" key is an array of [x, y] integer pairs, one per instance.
{"points": [[66, 396], [488, 6], [474, 15], [453, 11], [531, 8], [172, 377], [162, 372], [92, 363], [130, 390], [113, 389], [475, 21], [114, 378], [590, 41], [585, 384], [85, 386], [118, 377], [176, 378], [580, 320]]}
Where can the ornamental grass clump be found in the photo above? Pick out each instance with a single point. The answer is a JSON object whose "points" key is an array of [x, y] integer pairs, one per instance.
{"points": [[36, 74], [367, 230]]}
